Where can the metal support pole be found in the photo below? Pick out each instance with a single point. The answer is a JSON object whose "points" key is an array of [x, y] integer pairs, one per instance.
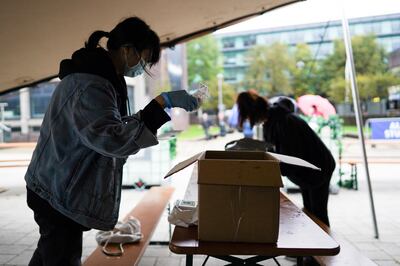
{"points": [[357, 111], [189, 259], [221, 107], [2, 109], [220, 78], [25, 110]]}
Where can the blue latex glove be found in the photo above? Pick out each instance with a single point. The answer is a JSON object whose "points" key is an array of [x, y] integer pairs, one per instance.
{"points": [[180, 99]]}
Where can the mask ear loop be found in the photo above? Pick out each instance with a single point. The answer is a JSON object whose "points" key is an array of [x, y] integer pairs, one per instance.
{"points": [[127, 98], [120, 252], [126, 57], [142, 62], [139, 56]]}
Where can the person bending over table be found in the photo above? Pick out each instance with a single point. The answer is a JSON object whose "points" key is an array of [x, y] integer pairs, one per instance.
{"points": [[291, 135]]}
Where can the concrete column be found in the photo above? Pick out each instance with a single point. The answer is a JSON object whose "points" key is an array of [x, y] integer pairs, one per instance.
{"points": [[25, 109]]}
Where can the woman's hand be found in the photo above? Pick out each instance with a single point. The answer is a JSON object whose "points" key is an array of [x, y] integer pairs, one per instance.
{"points": [[180, 99], [160, 100]]}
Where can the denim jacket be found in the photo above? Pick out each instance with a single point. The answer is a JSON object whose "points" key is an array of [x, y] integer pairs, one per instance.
{"points": [[77, 163]]}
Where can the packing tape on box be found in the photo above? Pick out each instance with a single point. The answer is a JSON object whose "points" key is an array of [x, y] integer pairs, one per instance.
{"points": [[238, 210]]}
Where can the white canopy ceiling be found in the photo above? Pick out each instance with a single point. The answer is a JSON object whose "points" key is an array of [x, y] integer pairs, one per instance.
{"points": [[36, 35]]}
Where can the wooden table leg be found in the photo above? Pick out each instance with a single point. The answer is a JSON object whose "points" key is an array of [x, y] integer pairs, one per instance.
{"points": [[299, 261], [189, 260]]}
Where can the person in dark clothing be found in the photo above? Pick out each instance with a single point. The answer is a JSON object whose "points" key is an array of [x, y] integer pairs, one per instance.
{"points": [[291, 135], [74, 178]]}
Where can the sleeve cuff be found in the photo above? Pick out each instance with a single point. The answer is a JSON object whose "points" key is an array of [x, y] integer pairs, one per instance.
{"points": [[166, 100], [154, 116]]}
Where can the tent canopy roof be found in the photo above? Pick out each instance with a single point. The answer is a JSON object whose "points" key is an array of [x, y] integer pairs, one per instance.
{"points": [[36, 35]]}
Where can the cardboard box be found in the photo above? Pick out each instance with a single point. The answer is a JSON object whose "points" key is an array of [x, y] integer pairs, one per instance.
{"points": [[238, 194]]}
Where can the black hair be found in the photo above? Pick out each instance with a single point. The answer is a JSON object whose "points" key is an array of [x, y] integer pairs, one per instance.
{"points": [[286, 103], [131, 32], [252, 107]]}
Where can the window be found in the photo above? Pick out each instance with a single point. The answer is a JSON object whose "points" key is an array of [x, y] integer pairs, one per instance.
{"points": [[395, 43], [228, 43], [395, 26], [242, 59], [308, 36], [386, 44], [376, 27], [229, 59], [386, 27], [245, 59], [259, 39], [334, 33], [318, 34], [249, 41], [230, 75], [270, 38], [240, 76], [294, 36], [40, 96], [367, 28], [390, 43], [360, 29], [12, 110], [131, 98], [325, 50], [284, 37]]}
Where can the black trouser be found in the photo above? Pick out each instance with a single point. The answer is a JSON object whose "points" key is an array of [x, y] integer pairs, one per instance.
{"points": [[315, 200], [60, 241]]}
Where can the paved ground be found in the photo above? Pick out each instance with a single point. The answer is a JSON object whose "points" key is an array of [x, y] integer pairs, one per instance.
{"points": [[350, 211]]}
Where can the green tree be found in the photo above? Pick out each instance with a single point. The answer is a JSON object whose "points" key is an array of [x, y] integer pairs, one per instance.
{"points": [[279, 63], [204, 64], [337, 90], [369, 86], [371, 70], [304, 72], [256, 77], [228, 96], [269, 69], [204, 59]]}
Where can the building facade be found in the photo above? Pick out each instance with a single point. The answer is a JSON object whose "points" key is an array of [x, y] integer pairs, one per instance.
{"points": [[319, 37]]}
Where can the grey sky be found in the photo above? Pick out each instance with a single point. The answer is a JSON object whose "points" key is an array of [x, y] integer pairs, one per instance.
{"points": [[316, 11]]}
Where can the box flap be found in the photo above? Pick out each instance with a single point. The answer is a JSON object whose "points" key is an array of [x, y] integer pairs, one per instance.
{"points": [[236, 155], [293, 161], [184, 164], [240, 172], [249, 168]]}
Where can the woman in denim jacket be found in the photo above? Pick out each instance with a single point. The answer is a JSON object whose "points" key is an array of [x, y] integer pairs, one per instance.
{"points": [[74, 178]]}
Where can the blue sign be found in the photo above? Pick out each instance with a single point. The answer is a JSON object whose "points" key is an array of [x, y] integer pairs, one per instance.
{"points": [[385, 128]]}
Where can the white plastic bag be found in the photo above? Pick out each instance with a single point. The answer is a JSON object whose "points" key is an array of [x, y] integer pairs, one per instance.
{"points": [[184, 213], [127, 232], [201, 93]]}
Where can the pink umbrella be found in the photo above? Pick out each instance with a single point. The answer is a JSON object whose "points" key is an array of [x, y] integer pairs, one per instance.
{"points": [[315, 105]]}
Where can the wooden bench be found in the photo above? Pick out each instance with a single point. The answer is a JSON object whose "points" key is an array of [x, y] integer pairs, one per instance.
{"points": [[149, 211], [375, 142], [348, 255], [9, 145], [353, 161], [14, 163], [371, 160]]}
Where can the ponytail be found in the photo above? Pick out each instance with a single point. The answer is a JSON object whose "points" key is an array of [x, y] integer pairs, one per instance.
{"points": [[94, 39], [251, 107], [261, 104]]}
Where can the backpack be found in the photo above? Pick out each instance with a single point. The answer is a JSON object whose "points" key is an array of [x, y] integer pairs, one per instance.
{"points": [[248, 144]]}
